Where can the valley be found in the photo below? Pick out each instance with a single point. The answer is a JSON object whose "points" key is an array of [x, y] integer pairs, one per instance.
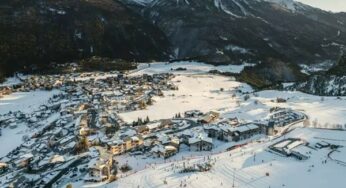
{"points": [[172, 93], [167, 125]]}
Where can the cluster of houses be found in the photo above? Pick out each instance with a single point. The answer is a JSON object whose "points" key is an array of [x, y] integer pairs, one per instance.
{"points": [[101, 165], [80, 127], [83, 116], [30, 83]]}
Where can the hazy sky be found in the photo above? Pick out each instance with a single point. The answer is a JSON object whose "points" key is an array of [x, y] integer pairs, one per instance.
{"points": [[332, 5]]}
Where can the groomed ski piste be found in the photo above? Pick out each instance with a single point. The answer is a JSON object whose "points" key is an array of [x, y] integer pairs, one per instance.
{"points": [[251, 166]]}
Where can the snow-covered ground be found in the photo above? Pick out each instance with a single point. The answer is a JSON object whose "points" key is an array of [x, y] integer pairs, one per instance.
{"points": [[248, 167], [253, 165], [326, 110], [94, 76], [191, 68], [12, 81], [309, 69], [25, 101], [196, 92], [11, 138], [202, 92]]}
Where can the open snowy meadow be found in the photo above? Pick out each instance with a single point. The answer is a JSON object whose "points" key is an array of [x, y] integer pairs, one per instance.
{"points": [[196, 92], [27, 102]]}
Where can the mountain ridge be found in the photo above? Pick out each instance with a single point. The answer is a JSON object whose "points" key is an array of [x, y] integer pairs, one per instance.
{"points": [[212, 31], [297, 33], [43, 31]]}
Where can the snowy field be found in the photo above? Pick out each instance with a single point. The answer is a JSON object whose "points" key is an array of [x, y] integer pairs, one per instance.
{"points": [[196, 92], [248, 167], [325, 111], [191, 68], [25, 101], [202, 92], [10, 81], [11, 138]]}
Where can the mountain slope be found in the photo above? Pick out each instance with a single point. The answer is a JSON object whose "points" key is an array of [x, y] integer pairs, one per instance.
{"points": [[331, 82], [41, 31], [234, 30], [271, 72]]}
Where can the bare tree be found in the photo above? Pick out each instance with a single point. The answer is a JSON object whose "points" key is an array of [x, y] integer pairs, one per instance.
{"points": [[315, 123], [306, 123]]}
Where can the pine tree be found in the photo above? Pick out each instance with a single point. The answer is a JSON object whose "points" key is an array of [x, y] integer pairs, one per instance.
{"points": [[150, 101], [140, 122], [142, 105]]}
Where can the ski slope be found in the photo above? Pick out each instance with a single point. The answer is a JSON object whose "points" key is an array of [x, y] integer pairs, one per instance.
{"points": [[247, 167]]}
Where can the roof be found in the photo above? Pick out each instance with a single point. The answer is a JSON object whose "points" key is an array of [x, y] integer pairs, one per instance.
{"points": [[162, 149], [244, 128], [153, 125], [170, 148], [135, 138], [212, 127], [200, 138], [57, 159], [302, 150], [2, 165], [27, 156]]}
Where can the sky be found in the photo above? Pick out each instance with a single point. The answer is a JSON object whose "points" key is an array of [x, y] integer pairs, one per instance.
{"points": [[330, 5]]}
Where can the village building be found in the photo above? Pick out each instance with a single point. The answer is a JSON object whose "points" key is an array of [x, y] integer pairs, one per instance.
{"points": [[3, 167], [117, 147], [245, 131], [23, 160], [210, 117], [200, 143], [293, 147], [193, 114], [163, 151], [102, 167], [228, 133]]}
